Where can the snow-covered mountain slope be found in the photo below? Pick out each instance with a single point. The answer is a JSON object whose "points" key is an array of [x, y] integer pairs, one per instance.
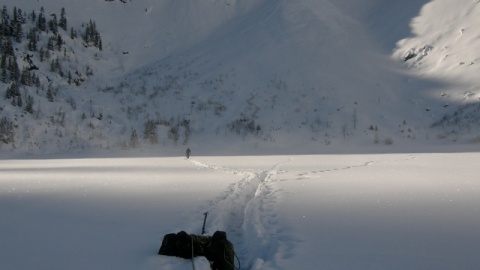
{"points": [[445, 48], [264, 73]]}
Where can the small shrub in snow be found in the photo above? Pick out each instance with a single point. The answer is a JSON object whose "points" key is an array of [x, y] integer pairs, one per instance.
{"points": [[174, 134], [244, 126], [134, 143], [150, 132], [388, 141]]}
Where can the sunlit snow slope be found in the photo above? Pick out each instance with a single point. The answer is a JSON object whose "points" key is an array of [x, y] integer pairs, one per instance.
{"points": [[269, 74]]}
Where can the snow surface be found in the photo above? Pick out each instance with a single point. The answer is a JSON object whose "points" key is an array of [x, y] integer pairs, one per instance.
{"points": [[383, 211]]}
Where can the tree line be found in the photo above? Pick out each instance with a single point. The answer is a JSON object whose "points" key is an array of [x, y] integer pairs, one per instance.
{"points": [[26, 41]]}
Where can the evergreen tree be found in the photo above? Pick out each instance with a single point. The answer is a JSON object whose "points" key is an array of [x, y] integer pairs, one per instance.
{"points": [[54, 65], [5, 29], [174, 134], [63, 20], [134, 139], [150, 132], [59, 42], [33, 16], [7, 130], [37, 81], [73, 33], [18, 33], [26, 77], [16, 25], [20, 17], [3, 61], [42, 54], [32, 40], [50, 94], [51, 43], [42, 21], [3, 76], [53, 24], [92, 36], [12, 91], [15, 14], [7, 47], [29, 105], [14, 70], [18, 100], [88, 36], [47, 54], [96, 40], [88, 71]]}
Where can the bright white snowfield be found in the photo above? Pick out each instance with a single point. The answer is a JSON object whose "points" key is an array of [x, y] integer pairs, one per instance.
{"points": [[398, 211]]}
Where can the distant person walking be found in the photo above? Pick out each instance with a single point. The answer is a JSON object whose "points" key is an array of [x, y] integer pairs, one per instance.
{"points": [[187, 153]]}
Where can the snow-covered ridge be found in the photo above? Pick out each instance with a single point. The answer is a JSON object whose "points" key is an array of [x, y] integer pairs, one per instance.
{"points": [[446, 47], [260, 72]]}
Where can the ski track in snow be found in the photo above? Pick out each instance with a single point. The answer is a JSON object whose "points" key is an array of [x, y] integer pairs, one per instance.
{"points": [[315, 174], [245, 212]]}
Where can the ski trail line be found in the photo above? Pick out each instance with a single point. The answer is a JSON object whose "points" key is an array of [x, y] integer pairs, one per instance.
{"points": [[314, 174], [246, 212]]}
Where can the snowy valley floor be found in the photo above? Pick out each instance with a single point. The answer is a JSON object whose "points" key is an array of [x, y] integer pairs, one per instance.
{"points": [[397, 211]]}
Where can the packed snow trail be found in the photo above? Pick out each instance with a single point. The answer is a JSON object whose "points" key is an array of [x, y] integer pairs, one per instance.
{"points": [[245, 212]]}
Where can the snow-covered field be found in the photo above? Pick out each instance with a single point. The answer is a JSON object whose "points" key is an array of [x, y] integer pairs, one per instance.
{"points": [[378, 211]]}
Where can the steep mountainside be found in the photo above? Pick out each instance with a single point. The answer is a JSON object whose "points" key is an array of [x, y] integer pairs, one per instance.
{"points": [[445, 48], [250, 73]]}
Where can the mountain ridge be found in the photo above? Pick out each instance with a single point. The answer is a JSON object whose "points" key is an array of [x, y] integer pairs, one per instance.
{"points": [[264, 74]]}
